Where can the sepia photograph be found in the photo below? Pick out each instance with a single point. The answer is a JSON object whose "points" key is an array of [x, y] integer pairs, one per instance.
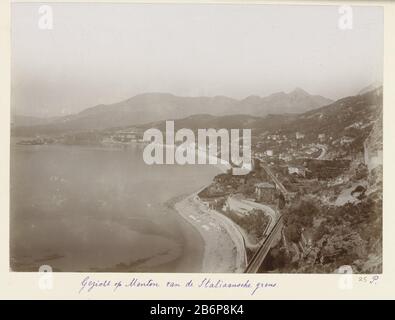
{"points": [[196, 138]]}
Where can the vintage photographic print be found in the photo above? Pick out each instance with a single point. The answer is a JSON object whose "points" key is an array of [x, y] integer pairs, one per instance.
{"points": [[198, 138]]}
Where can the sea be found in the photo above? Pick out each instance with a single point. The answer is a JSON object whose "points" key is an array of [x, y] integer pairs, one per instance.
{"points": [[101, 209]]}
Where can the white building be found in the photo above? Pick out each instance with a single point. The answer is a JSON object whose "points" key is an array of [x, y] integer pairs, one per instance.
{"points": [[269, 153], [299, 135], [299, 170]]}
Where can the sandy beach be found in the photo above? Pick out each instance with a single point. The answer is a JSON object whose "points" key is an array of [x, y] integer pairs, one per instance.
{"points": [[223, 243]]}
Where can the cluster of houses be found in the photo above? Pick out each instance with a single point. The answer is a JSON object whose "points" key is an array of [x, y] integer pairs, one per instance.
{"points": [[298, 158], [289, 154], [126, 136], [276, 137], [321, 138]]}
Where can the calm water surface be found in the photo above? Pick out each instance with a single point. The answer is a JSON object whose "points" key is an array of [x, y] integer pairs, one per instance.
{"points": [[100, 209]]}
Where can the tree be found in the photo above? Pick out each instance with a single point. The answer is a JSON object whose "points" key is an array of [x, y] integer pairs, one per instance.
{"points": [[292, 233]]}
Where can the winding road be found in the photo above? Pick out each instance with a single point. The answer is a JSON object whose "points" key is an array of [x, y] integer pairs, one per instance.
{"points": [[273, 231]]}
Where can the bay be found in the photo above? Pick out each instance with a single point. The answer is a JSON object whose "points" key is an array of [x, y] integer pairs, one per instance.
{"points": [[84, 208]]}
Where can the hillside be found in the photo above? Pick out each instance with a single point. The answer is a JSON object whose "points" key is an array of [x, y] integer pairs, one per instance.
{"points": [[371, 87], [335, 221], [351, 117], [240, 121]]}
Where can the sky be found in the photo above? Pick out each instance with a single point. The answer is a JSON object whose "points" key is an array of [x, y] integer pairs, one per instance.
{"points": [[106, 53]]}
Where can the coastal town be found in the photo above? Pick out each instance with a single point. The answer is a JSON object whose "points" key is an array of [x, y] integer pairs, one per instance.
{"points": [[314, 189], [321, 189]]}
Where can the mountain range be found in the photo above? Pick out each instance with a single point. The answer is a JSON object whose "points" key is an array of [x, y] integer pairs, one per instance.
{"points": [[345, 117], [150, 107]]}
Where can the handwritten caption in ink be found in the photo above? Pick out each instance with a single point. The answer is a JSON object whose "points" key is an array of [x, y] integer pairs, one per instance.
{"points": [[89, 284]]}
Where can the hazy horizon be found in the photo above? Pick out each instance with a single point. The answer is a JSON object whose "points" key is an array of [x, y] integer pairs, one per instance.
{"points": [[106, 53]]}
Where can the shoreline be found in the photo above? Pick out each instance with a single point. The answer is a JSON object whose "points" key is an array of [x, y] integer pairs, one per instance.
{"points": [[207, 241], [223, 246]]}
